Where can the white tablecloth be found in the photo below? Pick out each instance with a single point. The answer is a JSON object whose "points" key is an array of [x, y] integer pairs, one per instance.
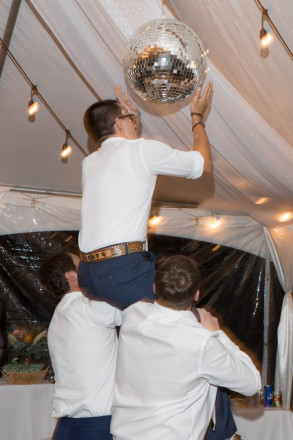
{"points": [[25, 414], [264, 423], [25, 411]]}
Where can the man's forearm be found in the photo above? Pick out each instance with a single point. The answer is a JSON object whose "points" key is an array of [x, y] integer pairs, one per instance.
{"points": [[201, 144], [197, 109]]}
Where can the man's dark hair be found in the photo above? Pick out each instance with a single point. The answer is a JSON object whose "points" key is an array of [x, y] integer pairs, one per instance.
{"points": [[177, 280], [99, 118], [52, 273]]}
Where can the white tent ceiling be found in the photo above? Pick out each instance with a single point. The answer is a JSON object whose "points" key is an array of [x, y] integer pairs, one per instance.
{"points": [[72, 50]]}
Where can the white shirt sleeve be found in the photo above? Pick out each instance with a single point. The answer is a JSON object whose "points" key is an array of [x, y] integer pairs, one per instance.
{"points": [[102, 313], [159, 158], [224, 364]]}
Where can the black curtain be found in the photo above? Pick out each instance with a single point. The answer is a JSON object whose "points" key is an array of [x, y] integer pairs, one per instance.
{"points": [[232, 283]]}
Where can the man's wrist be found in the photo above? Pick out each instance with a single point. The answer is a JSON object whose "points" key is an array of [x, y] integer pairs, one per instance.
{"points": [[196, 124]]}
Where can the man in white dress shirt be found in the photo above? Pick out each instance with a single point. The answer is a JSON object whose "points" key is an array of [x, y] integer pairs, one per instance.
{"points": [[169, 365], [82, 342], [118, 182]]}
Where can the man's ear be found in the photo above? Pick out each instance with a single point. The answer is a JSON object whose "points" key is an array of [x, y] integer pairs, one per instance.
{"points": [[71, 275], [196, 296], [119, 125], [154, 288]]}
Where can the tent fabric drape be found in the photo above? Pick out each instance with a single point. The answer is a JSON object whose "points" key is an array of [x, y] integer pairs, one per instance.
{"points": [[246, 149], [284, 359], [280, 242], [32, 212]]}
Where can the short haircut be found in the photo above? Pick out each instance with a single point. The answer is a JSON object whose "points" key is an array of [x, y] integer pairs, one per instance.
{"points": [[52, 273], [99, 118], [177, 281]]}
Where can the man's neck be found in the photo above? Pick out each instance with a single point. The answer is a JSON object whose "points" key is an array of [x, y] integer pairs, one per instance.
{"points": [[163, 303]]}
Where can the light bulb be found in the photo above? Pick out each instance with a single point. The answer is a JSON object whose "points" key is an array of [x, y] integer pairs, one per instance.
{"points": [[215, 223], [266, 38], [285, 217], [261, 200], [66, 151], [33, 107], [154, 220]]}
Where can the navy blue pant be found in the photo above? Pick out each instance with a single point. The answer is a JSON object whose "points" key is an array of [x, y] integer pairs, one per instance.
{"points": [[84, 428], [225, 424], [120, 281]]}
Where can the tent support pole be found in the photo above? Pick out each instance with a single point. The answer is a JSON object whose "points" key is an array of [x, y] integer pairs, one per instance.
{"points": [[266, 319]]}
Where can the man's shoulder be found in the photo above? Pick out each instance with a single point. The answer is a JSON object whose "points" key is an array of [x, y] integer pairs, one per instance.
{"points": [[75, 307], [137, 312], [153, 143], [90, 158], [69, 301], [139, 306]]}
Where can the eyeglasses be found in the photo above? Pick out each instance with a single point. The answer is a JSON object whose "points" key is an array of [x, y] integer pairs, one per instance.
{"points": [[129, 115]]}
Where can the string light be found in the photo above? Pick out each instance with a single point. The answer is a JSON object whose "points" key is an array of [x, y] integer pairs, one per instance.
{"points": [[66, 148], [285, 217], [261, 200], [155, 220], [266, 16], [66, 151], [265, 38], [215, 223], [35, 91], [33, 106]]}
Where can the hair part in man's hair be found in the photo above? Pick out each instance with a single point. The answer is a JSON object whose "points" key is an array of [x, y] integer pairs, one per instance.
{"points": [[177, 281], [52, 273], [99, 118]]}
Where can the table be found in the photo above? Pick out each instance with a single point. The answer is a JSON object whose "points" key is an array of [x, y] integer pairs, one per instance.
{"points": [[264, 423], [25, 411]]}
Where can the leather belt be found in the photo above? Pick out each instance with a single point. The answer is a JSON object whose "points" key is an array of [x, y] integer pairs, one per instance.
{"points": [[116, 250]]}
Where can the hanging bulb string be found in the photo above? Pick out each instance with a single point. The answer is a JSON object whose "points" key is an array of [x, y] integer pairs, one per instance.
{"points": [[270, 21], [35, 91]]}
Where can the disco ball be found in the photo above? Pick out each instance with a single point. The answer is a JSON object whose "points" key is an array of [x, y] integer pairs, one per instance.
{"points": [[164, 61]]}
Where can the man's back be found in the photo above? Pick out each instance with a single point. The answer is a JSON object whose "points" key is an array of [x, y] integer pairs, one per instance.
{"points": [[118, 184], [83, 344], [164, 378], [166, 383], [115, 200]]}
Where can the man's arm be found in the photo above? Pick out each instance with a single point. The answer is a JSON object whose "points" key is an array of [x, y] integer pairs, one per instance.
{"points": [[200, 139], [224, 364], [201, 143]]}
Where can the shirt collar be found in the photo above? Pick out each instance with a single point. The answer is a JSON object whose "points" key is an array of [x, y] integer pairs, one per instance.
{"points": [[170, 312], [110, 139], [70, 295]]}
